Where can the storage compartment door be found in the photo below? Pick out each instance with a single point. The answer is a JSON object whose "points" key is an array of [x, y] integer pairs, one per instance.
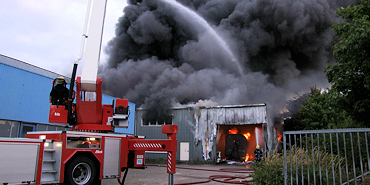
{"points": [[111, 157], [18, 162]]}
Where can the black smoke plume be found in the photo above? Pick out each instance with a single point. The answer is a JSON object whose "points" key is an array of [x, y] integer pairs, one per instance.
{"points": [[162, 56]]}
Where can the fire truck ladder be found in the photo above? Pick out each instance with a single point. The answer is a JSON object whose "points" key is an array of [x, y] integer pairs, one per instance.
{"points": [[51, 162]]}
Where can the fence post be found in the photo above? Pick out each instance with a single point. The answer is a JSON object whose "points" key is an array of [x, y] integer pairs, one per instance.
{"points": [[285, 161]]}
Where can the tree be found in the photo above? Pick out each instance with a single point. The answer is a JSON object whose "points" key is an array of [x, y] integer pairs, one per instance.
{"points": [[321, 112], [350, 77], [292, 119]]}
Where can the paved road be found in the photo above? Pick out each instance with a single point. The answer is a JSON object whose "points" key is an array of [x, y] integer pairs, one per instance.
{"points": [[157, 175]]}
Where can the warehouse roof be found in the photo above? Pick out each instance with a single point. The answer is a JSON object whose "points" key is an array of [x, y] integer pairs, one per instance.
{"points": [[193, 106], [29, 67]]}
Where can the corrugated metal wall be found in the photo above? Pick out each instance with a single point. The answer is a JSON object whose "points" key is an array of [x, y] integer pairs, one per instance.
{"points": [[184, 118], [24, 96], [194, 131]]}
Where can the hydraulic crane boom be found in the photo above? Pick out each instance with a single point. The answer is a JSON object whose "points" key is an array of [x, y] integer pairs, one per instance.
{"points": [[92, 54], [88, 113]]}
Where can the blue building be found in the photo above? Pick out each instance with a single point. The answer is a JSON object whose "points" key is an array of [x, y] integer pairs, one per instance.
{"points": [[24, 99]]}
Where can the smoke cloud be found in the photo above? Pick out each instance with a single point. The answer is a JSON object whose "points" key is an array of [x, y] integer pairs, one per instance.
{"points": [[243, 52]]}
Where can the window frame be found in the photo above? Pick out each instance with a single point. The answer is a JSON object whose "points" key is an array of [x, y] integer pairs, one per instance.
{"points": [[151, 124]]}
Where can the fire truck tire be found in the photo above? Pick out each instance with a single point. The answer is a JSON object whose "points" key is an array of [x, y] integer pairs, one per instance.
{"points": [[81, 171]]}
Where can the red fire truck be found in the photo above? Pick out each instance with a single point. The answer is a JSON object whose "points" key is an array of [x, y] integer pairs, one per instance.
{"points": [[91, 151], [74, 157]]}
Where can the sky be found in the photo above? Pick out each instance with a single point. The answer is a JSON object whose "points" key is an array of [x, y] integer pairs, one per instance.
{"points": [[47, 33]]}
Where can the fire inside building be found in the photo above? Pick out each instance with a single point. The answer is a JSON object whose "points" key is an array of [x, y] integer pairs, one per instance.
{"points": [[217, 133]]}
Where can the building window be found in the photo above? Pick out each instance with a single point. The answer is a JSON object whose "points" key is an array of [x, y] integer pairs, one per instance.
{"points": [[163, 120], [26, 127], [5, 127], [42, 127], [15, 128], [60, 128], [52, 128], [9, 128]]}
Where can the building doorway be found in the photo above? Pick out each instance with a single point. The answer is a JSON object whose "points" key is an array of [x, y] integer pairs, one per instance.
{"points": [[238, 142], [26, 127]]}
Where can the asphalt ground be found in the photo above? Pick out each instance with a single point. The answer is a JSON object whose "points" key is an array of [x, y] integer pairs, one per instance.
{"points": [[157, 175]]}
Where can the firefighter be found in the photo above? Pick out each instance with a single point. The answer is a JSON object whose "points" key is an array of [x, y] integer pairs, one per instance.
{"points": [[59, 92], [258, 153]]}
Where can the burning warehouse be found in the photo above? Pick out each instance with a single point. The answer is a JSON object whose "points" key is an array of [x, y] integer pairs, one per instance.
{"points": [[167, 53], [210, 133]]}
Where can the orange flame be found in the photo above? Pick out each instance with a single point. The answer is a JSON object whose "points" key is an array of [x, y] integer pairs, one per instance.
{"points": [[279, 136], [247, 135], [233, 131], [246, 157]]}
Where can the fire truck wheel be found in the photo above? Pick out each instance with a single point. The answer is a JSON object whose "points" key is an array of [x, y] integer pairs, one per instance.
{"points": [[80, 170]]}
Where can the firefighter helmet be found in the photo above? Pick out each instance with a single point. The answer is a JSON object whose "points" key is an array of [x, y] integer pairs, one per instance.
{"points": [[60, 80], [258, 147]]}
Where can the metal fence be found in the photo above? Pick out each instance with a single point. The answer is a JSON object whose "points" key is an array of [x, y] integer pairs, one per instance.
{"points": [[339, 156]]}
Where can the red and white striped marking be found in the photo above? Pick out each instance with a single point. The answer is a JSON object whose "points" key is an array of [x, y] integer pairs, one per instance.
{"points": [[169, 163], [147, 145]]}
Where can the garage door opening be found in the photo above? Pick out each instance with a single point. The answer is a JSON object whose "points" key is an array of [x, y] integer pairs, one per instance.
{"points": [[238, 142]]}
